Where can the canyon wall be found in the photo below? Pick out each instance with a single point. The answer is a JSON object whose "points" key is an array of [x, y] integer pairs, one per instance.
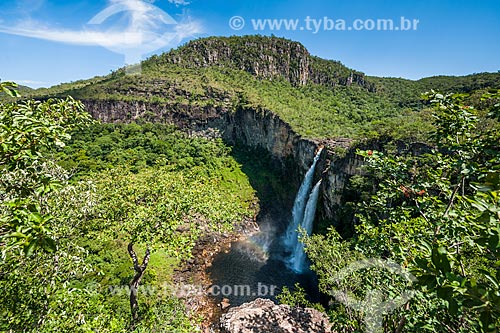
{"points": [[256, 129], [268, 58]]}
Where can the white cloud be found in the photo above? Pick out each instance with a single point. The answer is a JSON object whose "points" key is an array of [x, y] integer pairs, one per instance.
{"points": [[29, 82], [106, 39], [149, 29], [179, 2]]}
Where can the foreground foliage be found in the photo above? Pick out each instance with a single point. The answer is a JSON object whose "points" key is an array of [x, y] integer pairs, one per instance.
{"points": [[436, 214], [82, 203], [26, 130]]}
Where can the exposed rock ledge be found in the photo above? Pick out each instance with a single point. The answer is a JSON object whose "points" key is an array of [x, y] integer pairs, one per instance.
{"points": [[263, 315], [253, 128]]}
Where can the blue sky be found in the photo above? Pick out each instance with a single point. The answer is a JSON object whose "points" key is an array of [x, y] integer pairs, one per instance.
{"points": [[45, 42]]}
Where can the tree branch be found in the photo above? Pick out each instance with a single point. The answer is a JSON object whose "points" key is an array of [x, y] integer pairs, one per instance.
{"points": [[421, 212], [402, 322], [453, 195], [134, 284], [132, 254], [448, 208]]}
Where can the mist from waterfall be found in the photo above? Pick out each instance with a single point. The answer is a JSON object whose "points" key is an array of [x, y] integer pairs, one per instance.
{"points": [[271, 255]]}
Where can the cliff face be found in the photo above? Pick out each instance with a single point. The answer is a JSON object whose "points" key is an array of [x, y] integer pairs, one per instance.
{"points": [[183, 116], [257, 129], [268, 58], [335, 177]]}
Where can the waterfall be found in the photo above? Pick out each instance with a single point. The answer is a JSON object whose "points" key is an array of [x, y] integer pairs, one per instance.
{"points": [[299, 205], [303, 212], [297, 260]]}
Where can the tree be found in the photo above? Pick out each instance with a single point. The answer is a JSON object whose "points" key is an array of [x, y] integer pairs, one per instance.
{"points": [[139, 273], [28, 130], [437, 214]]}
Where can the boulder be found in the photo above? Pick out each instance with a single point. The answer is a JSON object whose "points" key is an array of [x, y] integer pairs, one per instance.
{"points": [[263, 315]]}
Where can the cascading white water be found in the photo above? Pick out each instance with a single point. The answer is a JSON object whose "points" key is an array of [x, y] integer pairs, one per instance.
{"points": [[299, 205], [263, 259], [297, 259], [291, 239]]}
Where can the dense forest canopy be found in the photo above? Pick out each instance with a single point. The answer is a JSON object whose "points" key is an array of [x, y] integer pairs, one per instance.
{"points": [[76, 193], [435, 213]]}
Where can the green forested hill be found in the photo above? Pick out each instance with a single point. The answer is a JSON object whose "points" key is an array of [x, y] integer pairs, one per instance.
{"points": [[318, 98], [407, 92]]}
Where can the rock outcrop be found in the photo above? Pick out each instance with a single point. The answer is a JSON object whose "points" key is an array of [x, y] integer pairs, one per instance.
{"points": [[261, 56], [266, 57], [263, 315], [257, 129]]}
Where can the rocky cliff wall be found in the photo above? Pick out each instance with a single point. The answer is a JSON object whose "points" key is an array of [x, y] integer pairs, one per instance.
{"points": [[261, 56], [266, 57], [256, 129]]}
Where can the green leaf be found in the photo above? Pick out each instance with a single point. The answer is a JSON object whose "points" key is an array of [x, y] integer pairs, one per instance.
{"points": [[49, 245], [445, 292], [30, 248], [490, 278], [485, 320], [440, 259], [36, 217], [17, 235], [453, 307], [494, 242], [442, 250], [9, 89]]}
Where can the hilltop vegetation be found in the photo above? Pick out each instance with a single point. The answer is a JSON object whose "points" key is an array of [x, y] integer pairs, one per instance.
{"points": [[318, 98]]}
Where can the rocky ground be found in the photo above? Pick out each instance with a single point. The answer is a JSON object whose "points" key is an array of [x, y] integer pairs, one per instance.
{"points": [[263, 315], [195, 282]]}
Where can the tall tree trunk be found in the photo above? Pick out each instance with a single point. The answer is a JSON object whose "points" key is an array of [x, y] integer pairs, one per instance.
{"points": [[134, 284]]}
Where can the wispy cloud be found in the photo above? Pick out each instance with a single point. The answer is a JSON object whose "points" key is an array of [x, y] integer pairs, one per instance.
{"points": [[179, 2], [29, 82], [120, 40], [149, 29], [106, 39]]}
